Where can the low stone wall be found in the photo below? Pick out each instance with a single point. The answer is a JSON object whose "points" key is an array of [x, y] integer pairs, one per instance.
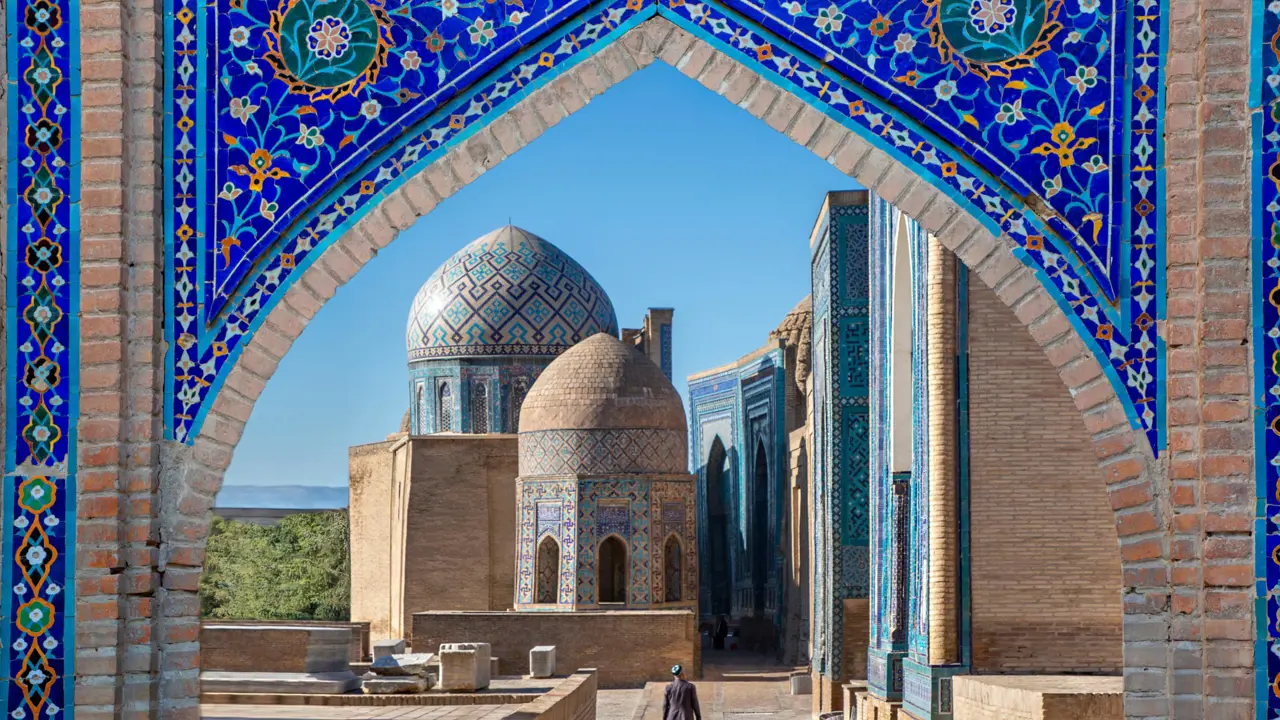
{"points": [[572, 699], [241, 648], [629, 648], [360, 643], [1038, 697]]}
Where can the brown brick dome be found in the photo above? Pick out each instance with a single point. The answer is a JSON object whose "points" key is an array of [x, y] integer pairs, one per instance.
{"points": [[601, 384]]}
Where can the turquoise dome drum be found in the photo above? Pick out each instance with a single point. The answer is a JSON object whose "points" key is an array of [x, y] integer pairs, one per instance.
{"points": [[509, 293]]}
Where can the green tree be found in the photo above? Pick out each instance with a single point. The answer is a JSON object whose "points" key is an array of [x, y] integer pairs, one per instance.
{"points": [[297, 570]]}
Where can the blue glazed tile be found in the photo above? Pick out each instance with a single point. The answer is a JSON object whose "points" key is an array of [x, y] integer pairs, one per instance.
{"points": [[966, 118]]}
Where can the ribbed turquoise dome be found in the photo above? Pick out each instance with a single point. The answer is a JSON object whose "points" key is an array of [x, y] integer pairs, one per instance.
{"points": [[507, 293]]}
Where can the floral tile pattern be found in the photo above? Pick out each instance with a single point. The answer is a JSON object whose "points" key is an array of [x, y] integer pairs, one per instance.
{"points": [[42, 254], [315, 110]]}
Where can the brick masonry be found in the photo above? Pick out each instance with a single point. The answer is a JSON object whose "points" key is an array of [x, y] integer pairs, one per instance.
{"points": [[433, 527], [1184, 524], [655, 640], [1044, 565]]}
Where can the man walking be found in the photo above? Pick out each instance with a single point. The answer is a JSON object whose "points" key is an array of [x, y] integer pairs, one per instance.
{"points": [[681, 700]]}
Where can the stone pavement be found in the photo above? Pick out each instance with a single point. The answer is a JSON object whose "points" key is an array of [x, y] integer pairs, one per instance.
{"points": [[395, 712], [735, 686]]}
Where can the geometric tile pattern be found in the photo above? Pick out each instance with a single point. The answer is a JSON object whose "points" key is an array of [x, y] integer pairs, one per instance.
{"points": [[289, 117], [546, 507], [1265, 99], [580, 514], [591, 493], [507, 293], [842, 428], [672, 512], [602, 452]]}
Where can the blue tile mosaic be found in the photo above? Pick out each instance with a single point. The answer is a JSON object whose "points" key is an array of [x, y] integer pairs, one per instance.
{"points": [[842, 440], [1265, 101], [316, 110], [42, 255]]}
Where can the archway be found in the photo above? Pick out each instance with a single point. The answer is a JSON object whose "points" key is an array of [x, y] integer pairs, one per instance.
{"points": [[548, 570], [719, 574], [760, 551], [193, 475], [673, 570], [611, 571]]}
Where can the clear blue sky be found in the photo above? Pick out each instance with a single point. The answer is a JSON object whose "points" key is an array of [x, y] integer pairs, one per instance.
{"points": [[667, 193]]}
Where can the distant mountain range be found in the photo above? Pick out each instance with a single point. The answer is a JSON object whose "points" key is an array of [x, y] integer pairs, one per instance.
{"points": [[282, 497]]}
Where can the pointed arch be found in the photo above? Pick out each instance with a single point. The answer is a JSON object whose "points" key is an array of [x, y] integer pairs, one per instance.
{"points": [[719, 573], [997, 256], [611, 570], [761, 553], [673, 569], [480, 406], [444, 407], [547, 570]]}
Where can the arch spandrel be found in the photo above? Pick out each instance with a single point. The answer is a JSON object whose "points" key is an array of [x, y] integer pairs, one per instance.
{"points": [[1073, 184]]}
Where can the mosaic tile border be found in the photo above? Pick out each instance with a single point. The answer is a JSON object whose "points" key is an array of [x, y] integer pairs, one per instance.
{"points": [[1128, 346], [1265, 104], [43, 240], [43, 243]]}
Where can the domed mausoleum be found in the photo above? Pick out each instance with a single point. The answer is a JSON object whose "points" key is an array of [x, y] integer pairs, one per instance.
{"points": [[487, 322], [433, 507], [606, 503]]}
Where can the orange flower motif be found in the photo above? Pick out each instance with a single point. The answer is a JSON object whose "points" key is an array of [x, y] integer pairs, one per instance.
{"points": [[435, 42], [1064, 144], [764, 52], [856, 108], [880, 25], [259, 170], [911, 78]]}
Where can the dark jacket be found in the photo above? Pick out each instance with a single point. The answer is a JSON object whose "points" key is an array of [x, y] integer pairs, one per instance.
{"points": [[681, 701]]}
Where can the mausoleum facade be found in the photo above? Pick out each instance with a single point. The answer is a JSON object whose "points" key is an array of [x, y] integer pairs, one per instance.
{"points": [[607, 507]]}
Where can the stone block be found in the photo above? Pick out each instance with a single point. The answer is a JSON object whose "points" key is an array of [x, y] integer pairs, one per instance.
{"points": [[801, 683], [382, 685], [493, 667], [387, 648], [464, 667], [403, 665], [542, 661]]}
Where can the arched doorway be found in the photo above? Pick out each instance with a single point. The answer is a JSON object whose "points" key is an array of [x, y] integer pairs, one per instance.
{"points": [[673, 570], [1127, 459], [611, 571], [760, 554], [548, 570], [719, 575]]}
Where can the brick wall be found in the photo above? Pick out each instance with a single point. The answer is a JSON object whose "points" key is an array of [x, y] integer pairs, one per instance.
{"points": [[359, 649], [856, 636], [1045, 566], [371, 499], [459, 536], [433, 526], [572, 699], [1052, 698], [629, 648]]}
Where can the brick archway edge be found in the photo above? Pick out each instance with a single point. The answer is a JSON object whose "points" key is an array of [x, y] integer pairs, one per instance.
{"points": [[190, 476]]}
